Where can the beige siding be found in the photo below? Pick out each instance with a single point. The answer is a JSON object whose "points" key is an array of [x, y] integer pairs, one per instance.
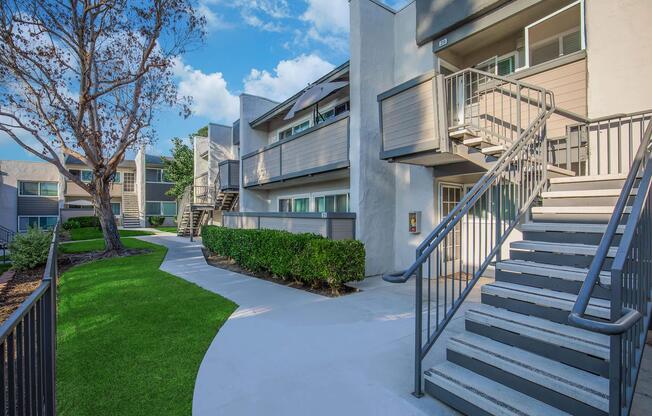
{"points": [[322, 147], [72, 189], [262, 166], [568, 84], [342, 229], [409, 117]]}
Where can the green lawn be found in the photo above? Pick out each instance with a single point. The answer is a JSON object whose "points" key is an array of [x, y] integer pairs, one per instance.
{"points": [[89, 233], [131, 337], [167, 229]]}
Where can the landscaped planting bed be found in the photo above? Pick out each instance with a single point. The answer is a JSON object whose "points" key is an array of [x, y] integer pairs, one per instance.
{"points": [[310, 259]]}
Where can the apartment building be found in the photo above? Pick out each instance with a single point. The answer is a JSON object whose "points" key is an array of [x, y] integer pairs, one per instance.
{"points": [[482, 138], [34, 194]]}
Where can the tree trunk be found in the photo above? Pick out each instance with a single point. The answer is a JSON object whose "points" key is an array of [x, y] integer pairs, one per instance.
{"points": [[107, 219]]}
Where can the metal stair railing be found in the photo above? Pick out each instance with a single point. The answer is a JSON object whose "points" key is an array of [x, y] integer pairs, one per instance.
{"points": [[631, 281], [6, 237], [457, 252]]}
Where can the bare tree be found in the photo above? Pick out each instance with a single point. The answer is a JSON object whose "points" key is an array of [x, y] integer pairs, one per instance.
{"points": [[84, 78]]}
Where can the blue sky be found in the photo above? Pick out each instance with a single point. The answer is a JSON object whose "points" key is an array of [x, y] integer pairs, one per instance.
{"points": [[271, 48]]}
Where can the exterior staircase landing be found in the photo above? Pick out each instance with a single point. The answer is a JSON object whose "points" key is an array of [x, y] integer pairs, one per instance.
{"points": [[518, 355]]}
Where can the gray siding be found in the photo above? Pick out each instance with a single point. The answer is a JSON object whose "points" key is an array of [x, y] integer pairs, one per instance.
{"points": [[37, 205], [324, 146], [156, 192], [335, 228], [409, 117], [342, 229]]}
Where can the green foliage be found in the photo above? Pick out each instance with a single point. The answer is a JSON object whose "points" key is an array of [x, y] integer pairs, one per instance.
{"points": [[89, 221], [30, 250], [156, 220], [202, 132], [308, 258], [71, 224], [179, 169], [152, 328]]}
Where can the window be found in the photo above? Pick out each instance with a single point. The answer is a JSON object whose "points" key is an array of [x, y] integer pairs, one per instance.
{"points": [[117, 178], [558, 34], [291, 131], [40, 222], [161, 208], [500, 65], [156, 175], [332, 203], [38, 189], [115, 207], [334, 112], [294, 204]]}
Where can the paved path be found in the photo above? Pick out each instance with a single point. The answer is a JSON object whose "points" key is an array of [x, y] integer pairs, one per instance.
{"points": [[288, 352]]}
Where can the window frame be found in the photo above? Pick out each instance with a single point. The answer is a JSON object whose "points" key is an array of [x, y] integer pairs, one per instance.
{"points": [[160, 176], [119, 204], [292, 197], [582, 29], [312, 198], [291, 127], [38, 220], [38, 194], [160, 205], [316, 195]]}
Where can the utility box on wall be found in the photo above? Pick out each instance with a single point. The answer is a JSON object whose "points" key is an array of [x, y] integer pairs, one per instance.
{"points": [[414, 222]]}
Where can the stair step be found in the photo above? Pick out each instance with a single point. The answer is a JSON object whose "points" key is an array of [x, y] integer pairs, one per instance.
{"points": [[586, 193], [561, 248], [568, 227], [592, 178], [479, 141], [457, 132], [542, 330], [546, 298], [549, 270], [534, 374], [605, 209], [456, 385], [492, 150]]}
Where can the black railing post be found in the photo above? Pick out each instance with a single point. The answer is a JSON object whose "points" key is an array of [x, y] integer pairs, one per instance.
{"points": [[418, 320], [497, 218]]}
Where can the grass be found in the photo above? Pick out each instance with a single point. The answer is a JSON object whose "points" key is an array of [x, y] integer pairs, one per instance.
{"points": [[131, 337], [90, 233], [4, 267], [167, 229]]}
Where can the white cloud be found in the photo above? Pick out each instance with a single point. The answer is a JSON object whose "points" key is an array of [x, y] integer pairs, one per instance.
{"points": [[288, 77], [211, 97], [214, 21], [328, 16]]}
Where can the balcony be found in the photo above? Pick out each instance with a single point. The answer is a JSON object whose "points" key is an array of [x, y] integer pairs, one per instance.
{"points": [[333, 225], [318, 150], [229, 171], [72, 189]]}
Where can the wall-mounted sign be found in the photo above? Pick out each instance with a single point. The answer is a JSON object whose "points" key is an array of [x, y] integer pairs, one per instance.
{"points": [[414, 222]]}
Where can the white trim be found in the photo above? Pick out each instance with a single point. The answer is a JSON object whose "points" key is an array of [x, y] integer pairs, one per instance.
{"points": [[291, 125], [292, 197], [442, 62], [312, 196]]}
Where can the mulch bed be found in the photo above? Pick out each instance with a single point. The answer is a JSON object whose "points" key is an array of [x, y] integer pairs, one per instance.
{"points": [[16, 290], [227, 263]]}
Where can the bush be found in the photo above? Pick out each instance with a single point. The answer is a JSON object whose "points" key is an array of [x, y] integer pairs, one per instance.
{"points": [[71, 224], [156, 221], [308, 258], [30, 250], [90, 221]]}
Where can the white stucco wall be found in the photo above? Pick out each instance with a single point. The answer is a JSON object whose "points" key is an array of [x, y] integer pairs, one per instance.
{"points": [[619, 41], [252, 107], [12, 171], [219, 148], [372, 180]]}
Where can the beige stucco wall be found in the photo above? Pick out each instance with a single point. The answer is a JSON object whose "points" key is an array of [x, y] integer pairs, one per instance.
{"points": [[619, 47], [12, 171]]}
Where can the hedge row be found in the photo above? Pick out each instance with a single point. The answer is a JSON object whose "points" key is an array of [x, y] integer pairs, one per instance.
{"points": [[308, 258]]}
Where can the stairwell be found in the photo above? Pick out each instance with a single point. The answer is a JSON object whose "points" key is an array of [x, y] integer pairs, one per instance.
{"points": [[519, 355], [130, 210]]}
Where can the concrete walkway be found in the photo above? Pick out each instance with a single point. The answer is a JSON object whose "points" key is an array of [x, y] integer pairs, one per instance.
{"points": [[288, 352]]}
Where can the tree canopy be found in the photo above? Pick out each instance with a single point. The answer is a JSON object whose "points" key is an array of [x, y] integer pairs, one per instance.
{"points": [[180, 168]]}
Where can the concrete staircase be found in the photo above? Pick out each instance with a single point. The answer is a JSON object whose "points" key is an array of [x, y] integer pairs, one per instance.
{"points": [[130, 210], [518, 355]]}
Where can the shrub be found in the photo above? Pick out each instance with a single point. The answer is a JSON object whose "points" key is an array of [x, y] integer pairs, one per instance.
{"points": [[89, 221], [30, 250], [308, 258], [156, 221], [70, 224]]}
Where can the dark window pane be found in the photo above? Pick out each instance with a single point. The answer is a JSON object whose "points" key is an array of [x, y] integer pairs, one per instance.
{"points": [[49, 189], [29, 188], [153, 175], [153, 208]]}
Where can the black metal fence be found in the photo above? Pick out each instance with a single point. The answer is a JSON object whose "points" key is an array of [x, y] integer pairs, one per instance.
{"points": [[27, 349]]}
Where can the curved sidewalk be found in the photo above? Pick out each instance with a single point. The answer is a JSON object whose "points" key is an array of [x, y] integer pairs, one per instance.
{"points": [[289, 352]]}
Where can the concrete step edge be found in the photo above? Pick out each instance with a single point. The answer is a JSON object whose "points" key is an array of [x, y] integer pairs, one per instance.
{"points": [[561, 248], [575, 274]]}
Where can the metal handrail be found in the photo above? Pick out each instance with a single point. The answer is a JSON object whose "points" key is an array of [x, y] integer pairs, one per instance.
{"points": [[507, 191], [631, 316]]}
